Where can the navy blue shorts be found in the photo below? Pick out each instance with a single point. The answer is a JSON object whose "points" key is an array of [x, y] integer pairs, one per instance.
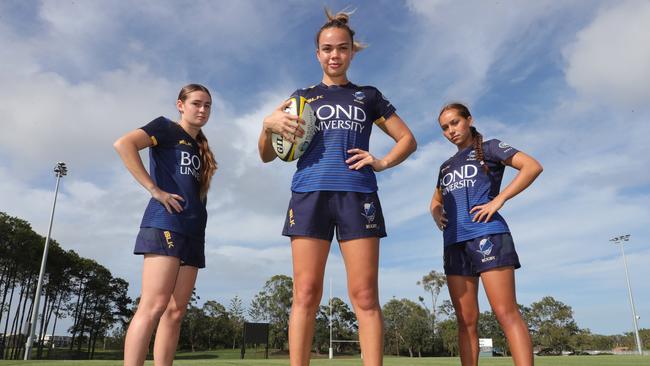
{"points": [[317, 214], [190, 251], [471, 257]]}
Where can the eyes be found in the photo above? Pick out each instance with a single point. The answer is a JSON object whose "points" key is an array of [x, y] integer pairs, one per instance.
{"points": [[453, 123], [329, 48], [199, 104]]}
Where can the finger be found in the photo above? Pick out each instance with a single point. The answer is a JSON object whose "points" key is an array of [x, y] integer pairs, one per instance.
{"points": [[177, 197], [289, 137], [167, 207], [299, 132], [489, 216], [475, 208], [354, 151], [444, 220], [354, 158], [284, 105]]}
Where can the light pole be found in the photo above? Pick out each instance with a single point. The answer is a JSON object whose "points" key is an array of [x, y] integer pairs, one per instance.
{"points": [[60, 170], [620, 240]]}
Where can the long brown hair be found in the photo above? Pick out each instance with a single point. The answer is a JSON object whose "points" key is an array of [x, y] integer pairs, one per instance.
{"points": [[208, 162], [463, 111], [340, 20]]}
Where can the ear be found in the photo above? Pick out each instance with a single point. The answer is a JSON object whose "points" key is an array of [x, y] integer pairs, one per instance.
{"points": [[180, 106], [470, 120]]}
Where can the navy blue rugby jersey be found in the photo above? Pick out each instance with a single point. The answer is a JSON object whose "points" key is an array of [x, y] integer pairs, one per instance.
{"points": [[345, 115], [464, 185], [175, 166]]}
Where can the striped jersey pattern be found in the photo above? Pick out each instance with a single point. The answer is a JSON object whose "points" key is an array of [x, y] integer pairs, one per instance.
{"points": [[345, 115]]}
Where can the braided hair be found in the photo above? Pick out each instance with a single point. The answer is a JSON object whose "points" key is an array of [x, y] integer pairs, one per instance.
{"points": [[463, 111]]}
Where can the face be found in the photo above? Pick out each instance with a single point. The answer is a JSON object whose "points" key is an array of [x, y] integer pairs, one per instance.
{"points": [[335, 51], [456, 128], [195, 110]]}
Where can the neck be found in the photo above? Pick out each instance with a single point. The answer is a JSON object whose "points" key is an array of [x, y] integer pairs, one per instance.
{"points": [[335, 80], [465, 144], [191, 130]]}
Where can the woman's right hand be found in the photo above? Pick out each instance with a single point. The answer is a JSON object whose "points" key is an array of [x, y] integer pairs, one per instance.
{"points": [[169, 200], [283, 123], [439, 217]]}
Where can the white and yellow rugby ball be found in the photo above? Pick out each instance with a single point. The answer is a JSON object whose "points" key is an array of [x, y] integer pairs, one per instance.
{"points": [[287, 150]]}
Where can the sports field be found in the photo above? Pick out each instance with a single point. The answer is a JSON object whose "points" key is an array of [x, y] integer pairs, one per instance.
{"points": [[390, 361]]}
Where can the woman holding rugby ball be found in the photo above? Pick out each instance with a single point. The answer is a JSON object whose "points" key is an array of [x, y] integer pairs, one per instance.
{"points": [[334, 190], [172, 232], [476, 238]]}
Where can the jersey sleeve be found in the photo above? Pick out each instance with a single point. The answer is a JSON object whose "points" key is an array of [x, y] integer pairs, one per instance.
{"points": [[497, 150], [383, 108], [158, 131]]}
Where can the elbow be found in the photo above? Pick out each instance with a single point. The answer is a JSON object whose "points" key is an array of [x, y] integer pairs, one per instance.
{"points": [[538, 169], [413, 145], [118, 144]]}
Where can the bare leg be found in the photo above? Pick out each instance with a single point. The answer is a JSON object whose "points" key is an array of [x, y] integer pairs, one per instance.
{"points": [[463, 291], [309, 259], [158, 281], [361, 258], [499, 286], [169, 326]]}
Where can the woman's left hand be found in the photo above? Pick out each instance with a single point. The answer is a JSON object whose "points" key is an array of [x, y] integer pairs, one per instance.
{"points": [[361, 158], [485, 212]]}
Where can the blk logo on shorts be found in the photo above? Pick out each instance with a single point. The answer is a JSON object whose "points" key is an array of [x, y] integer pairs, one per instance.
{"points": [[168, 238], [292, 221], [369, 212]]}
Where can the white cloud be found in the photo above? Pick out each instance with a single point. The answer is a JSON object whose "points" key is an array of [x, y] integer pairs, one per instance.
{"points": [[610, 58]]}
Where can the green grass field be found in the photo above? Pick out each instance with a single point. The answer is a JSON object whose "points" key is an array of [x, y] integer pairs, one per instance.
{"points": [[389, 361]]}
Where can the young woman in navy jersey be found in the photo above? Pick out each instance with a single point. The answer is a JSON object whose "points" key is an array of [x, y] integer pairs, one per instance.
{"points": [[477, 239], [172, 232], [334, 190]]}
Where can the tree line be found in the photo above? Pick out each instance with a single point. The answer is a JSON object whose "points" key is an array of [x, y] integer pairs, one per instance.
{"points": [[100, 310]]}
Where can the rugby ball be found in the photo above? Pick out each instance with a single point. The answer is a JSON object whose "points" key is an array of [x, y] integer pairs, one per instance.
{"points": [[287, 150]]}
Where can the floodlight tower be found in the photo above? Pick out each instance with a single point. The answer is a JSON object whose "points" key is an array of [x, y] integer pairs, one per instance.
{"points": [[621, 240], [60, 170]]}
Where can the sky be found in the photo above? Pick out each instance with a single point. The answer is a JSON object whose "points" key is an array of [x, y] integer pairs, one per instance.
{"points": [[566, 82]]}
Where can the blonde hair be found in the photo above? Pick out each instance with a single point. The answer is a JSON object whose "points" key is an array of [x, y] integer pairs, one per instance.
{"points": [[208, 162], [340, 20]]}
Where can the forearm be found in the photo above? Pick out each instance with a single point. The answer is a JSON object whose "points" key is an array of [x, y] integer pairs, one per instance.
{"points": [[265, 146], [403, 147], [522, 180], [130, 155]]}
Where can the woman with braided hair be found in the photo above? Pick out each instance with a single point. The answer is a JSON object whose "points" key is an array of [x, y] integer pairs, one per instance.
{"points": [[172, 231], [477, 241], [334, 190]]}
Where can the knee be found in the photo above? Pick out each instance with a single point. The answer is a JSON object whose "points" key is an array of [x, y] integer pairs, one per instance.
{"points": [[506, 314], [174, 313], [307, 295], [467, 320], [365, 298], [152, 309]]}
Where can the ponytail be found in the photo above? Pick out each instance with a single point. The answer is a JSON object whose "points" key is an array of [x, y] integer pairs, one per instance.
{"points": [[208, 164]]}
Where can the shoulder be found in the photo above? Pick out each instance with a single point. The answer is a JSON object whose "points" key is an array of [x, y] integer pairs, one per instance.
{"points": [[157, 124], [304, 92]]}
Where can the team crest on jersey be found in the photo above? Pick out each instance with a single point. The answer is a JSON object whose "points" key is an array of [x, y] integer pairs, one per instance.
{"points": [[183, 142], [471, 156], [309, 100], [369, 212], [359, 96], [485, 247]]}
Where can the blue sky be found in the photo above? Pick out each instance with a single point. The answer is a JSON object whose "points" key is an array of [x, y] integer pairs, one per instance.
{"points": [[567, 82]]}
